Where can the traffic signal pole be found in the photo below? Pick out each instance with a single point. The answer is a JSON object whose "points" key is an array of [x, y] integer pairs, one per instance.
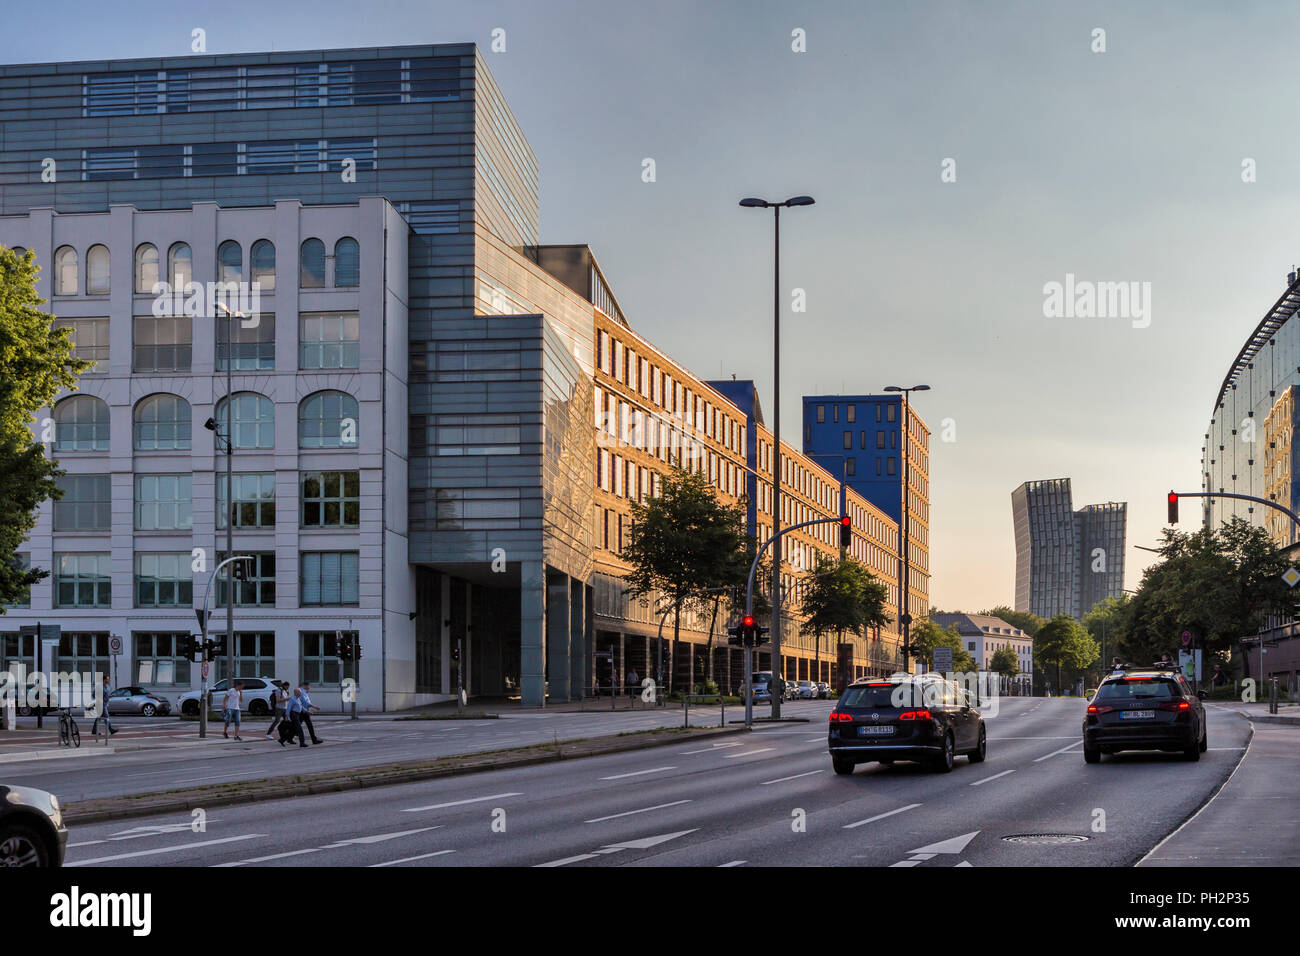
{"points": [[203, 626], [1175, 495]]}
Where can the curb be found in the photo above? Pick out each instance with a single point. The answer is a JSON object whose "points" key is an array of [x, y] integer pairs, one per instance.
{"points": [[1271, 718], [384, 775]]}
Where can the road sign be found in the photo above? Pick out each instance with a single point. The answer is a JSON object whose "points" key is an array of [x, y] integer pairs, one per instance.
{"points": [[1187, 638], [942, 657], [204, 669], [115, 644], [1190, 665], [1291, 576]]}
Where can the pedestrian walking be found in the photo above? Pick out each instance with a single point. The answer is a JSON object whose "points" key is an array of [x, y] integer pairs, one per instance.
{"points": [[103, 712], [230, 707], [278, 699], [633, 681], [292, 708], [305, 707]]}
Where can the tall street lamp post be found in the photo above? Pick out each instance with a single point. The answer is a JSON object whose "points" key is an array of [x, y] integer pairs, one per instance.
{"points": [[230, 501], [904, 568], [751, 203]]}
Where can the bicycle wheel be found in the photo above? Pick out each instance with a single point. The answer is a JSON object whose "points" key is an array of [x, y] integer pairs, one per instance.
{"points": [[76, 734], [64, 738]]}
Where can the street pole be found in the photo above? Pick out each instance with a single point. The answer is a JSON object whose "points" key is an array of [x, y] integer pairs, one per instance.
{"points": [[778, 670], [230, 505], [906, 616]]}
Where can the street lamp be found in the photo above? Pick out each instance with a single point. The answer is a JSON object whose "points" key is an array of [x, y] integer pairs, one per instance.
{"points": [[904, 572], [776, 207], [230, 500]]}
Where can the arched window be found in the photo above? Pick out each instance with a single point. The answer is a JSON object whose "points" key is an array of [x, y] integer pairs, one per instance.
{"points": [[230, 262], [97, 270], [81, 424], [19, 251], [254, 420], [327, 420], [261, 259], [146, 267], [65, 271], [313, 265], [162, 422], [347, 262], [180, 266]]}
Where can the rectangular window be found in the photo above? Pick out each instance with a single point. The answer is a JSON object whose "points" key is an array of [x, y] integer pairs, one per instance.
{"points": [[84, 653], [254, 655], [433, 79], [107, 163], [835, 414], [880, 439], [331, 499], [891, 413], [848, 439], [163, 343], [893, 440], [90, 340], [878, 466], [158, 658], [431, 218], [862, 439], [214, 159], [497, 434], [163, 579], [332, 340], [86, 504], [254, 494], [252, 346], [160, 162], [891, 466], [25, 599], [361, 151], [82, 580], [320, 662], [283, 156], [852, 411], [257, 591], [330, 578], [821, 414], [163, 503], [850, 467]]}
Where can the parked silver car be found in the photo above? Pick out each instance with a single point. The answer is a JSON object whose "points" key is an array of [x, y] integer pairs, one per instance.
{"points": [[805, 690], [137, 700], [32, 832], [257, 697]]}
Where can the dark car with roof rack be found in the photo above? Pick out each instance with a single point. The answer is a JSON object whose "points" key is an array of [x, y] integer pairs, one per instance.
{"points": [[1150, 708]]}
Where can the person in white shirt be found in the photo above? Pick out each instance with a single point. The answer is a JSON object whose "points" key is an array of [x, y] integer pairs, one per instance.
{"points": [[230, 706]]}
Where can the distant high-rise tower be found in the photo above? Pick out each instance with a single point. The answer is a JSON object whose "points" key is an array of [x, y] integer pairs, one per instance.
{"points": [[1066, 560]]}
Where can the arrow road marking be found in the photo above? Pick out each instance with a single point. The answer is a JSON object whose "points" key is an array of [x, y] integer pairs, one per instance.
{"points": [[644, 843], [376, 838], [955, 845], [168, 849]]}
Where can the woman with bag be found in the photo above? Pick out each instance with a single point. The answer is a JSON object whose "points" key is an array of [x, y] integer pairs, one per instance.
{"points": [[279, 698]]}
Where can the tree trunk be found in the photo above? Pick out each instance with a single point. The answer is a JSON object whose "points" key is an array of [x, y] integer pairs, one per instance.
{"points": [[672, 651], [713, 621]]}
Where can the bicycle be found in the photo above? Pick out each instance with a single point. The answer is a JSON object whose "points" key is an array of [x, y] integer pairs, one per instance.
{"points": [[69, 733]]}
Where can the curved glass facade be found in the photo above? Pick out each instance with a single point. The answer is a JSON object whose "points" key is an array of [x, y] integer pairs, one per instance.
{"points": [[1247, 446]]}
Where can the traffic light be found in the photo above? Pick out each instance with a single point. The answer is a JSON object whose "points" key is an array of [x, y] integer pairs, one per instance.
{"points": [[216, 647], [846, 531], [455, 653], [737, 636], [1173, 508], [343, 647], [190, 645], [243, 569]]}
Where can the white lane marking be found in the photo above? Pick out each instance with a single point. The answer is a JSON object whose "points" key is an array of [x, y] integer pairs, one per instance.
{"points": [[461, 803], [747, 753], [644, 843], [569, 859], [409, 859], [906, 863], [795, 777], [994, 777], [263, 859], [376, 838], [1058, 737], [880, 816], [638, 773], [732, 863], [708, 750], [615, 816], [1077, 743], [168, 849]]}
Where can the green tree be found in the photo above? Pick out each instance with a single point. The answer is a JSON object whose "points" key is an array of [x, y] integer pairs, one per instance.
{"points": [[1065, 644], [927, 635], [1027, 622], [842, 595], [1107, 622], [1219, 584], [681, 544], [1005, 662], [35, 364]]}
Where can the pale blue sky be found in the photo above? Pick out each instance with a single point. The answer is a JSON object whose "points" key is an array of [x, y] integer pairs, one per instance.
{"points": [[1115, 166]]}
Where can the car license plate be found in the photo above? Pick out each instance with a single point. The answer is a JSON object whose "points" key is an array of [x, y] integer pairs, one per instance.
{"points": [[875, 731], [1137, 714]]}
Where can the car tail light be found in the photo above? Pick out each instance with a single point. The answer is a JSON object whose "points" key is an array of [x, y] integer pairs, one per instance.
{"points": [[839, 716], [914, 715], [1103, 709], [881, 684], [1176, 705]]}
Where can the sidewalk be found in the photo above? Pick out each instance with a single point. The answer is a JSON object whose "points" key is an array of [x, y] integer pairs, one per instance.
{"points": [[1254, 819], [1258, 712]]}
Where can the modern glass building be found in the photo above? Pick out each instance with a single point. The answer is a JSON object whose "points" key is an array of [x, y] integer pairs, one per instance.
{"points": [[1066, 560], [429, 413]]}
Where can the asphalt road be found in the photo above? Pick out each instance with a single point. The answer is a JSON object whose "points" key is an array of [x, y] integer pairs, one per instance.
{"points": [[347, 744], [769, 798]]}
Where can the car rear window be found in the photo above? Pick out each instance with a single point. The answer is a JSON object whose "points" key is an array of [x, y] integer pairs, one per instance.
{"points": [[866, 695], [1137, 688]]}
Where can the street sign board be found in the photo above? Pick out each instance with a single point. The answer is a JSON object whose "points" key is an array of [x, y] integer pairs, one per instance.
{"points": [[205, 670], [115, 644], [942, 659], [1189, 665]]}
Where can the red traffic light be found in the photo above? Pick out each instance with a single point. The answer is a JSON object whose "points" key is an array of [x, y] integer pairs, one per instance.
{"points": [[846, 531], [1173, 507], [748, 622]]}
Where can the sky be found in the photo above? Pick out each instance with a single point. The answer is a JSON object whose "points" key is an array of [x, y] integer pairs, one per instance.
{"points": [[963, 156]]}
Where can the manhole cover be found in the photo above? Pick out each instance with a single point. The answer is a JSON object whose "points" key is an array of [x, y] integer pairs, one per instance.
{"points": [[1045, 839]]}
